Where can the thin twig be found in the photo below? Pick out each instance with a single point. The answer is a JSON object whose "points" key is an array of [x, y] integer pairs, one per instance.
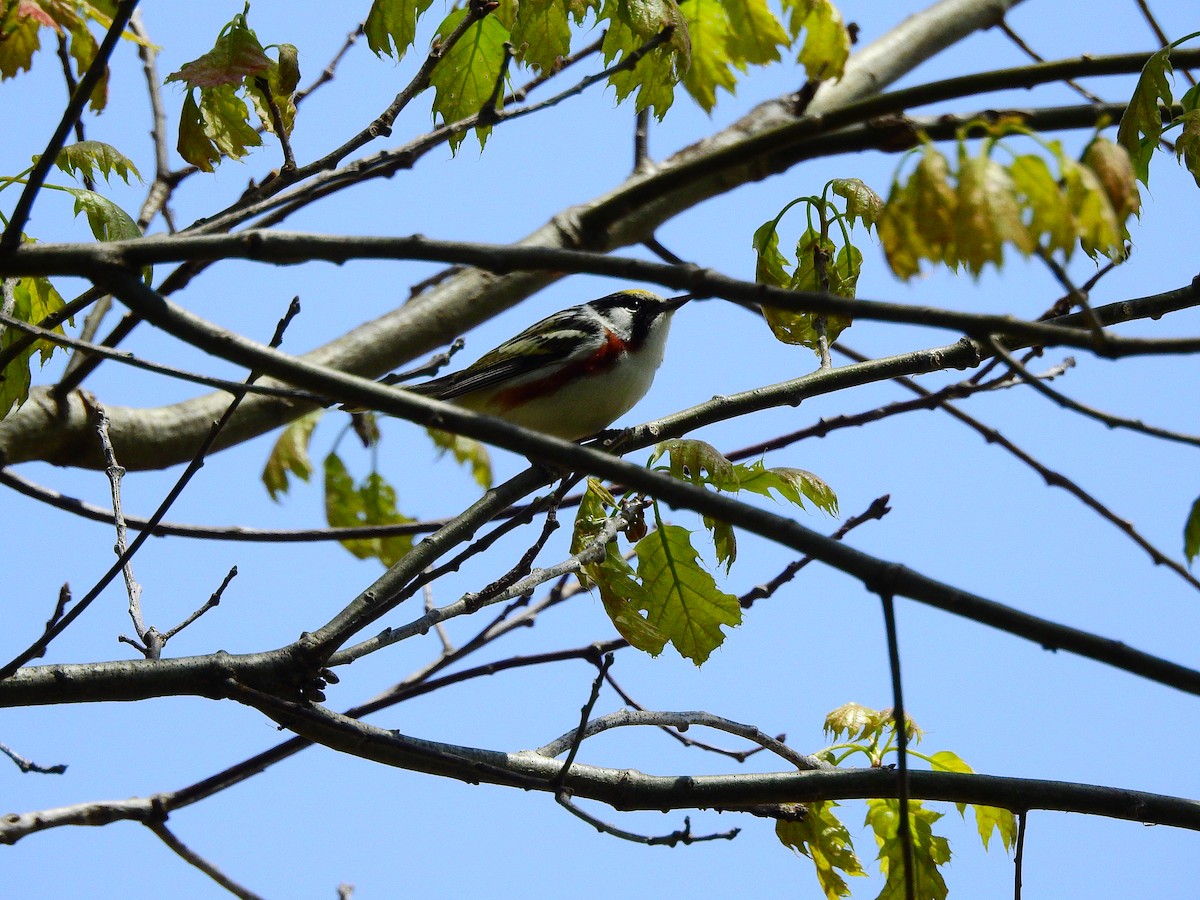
{"points": [[212, 602], [1019, 856], [1163, 40], [585, 713], [1037, 57], [683, 836], [190, 856], [28, 765], [900, 718]]}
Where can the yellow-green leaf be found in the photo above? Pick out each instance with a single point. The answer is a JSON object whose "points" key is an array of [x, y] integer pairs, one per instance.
{"points": [[391, 25], [465, 78], [1114, 169], [631, 25], [542, 33], [20, 29], [194, 144], [1049, 215], [34, 299], [822, 837], [857, 722], [85, 158], [1096, 223], [371, 503], [1187, 145], [793, 485], [83, 48], [290, 454], [696, 461], [625, 600], [227, 121], [988, 215], [928, 850], [107, 220], [682, 598], [826, 41]]}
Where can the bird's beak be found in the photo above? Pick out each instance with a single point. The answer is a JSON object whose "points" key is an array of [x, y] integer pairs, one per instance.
{"points": [[673, 303]]}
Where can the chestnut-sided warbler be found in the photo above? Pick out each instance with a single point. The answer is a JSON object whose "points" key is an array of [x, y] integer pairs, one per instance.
{"points": [[571, 374]]}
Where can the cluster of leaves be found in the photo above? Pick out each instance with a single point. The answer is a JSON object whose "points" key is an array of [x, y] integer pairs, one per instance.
{"points": [[21, 25], [35, 298], [215, 120], [667, 594], [822, 837], [822, 263], [1142, 128], [965, 215], [371, 502], [705, 42]]}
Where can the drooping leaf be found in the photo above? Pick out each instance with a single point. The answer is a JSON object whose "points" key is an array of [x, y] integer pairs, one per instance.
{"points": [[82, 48], [822, 837], [290, 454], [856, 722], [861, 202], [1048, 214], [194, 144], [987, 215], [466, 451], [929, 851], [1096, 225], [465, 78], [277, 86], [826, 40], [85, 158], [682, 598], [1191, 533], [391, 25], [1114, 169], [371, 503], [1141, 125], [631, 25], [769, 268], [626, 600], [727, 36]]}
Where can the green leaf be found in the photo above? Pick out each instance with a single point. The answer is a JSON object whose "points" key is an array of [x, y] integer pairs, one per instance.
{"points": [[826, 41], [391, 25], [1114, 169], [822, 837], [682, 598], [769, 268], [107, 220], [465, 78], [290, 454], [724, 541], [625, 599], [861, 202], [226, 121], [542, 32], [755, 35], [466, 451], [85, 158], [1187, 145], [989, 819], [34, 299], [371, 503], [278, 85], [726, 36], [194, 144], [236, 55], [1141, 125], [1191, 533], [631, 24], [696, 461], [928, 850], [793, 485]]}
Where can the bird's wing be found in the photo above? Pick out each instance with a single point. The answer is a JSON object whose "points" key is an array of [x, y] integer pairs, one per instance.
{"points": [[531, 354]]}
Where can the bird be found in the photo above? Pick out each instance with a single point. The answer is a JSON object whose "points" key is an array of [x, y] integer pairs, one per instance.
{"points": [[572, 374]]}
